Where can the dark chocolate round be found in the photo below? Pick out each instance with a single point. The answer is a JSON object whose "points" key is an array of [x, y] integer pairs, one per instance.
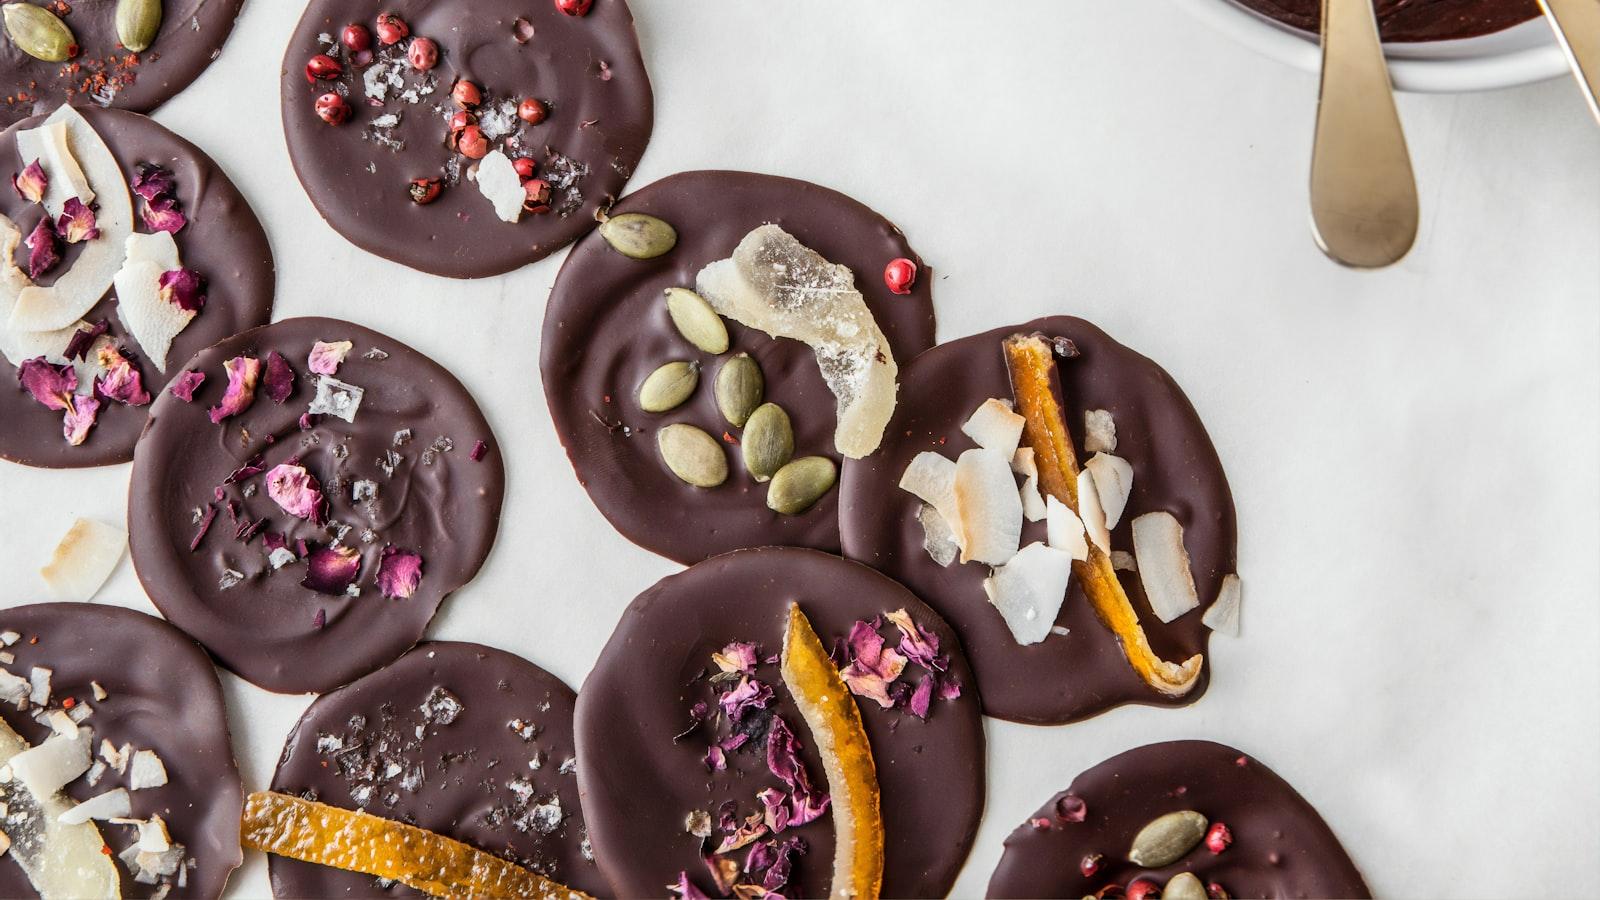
{"points": [[162, 694], [1064, 677], [438, 501], [606, 329], [223, 242], [103, 73], [1412, 20], [1280, 846], [587, 70], [641, 762], [461, 739]]}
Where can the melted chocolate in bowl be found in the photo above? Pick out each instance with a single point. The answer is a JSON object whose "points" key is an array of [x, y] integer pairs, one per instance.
{"points": [[1412, 20]]}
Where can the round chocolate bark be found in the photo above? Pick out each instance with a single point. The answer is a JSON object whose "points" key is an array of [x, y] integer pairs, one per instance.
{"points": [[102, 73], [1280, 846], [412, 456], [642, 759], [223, 241], [1412, 20], [606, 328], [586, 70], [1064, 677], [461, 739], [161, 694]]}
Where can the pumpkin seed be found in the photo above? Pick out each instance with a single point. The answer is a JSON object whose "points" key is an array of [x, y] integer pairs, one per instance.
{"points": [[697, 321], [768, 441], [138, 21], [638, 236], [1167, 838], [692, 455], [667, 387], [1184, 886], [800, 484], [38, 32], [738, 389]]}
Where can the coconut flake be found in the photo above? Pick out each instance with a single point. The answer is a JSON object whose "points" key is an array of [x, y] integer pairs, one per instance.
{"points": [[1164, 565], [146, 770], [1123, 561], [84, 559], [1064, 530], [50, 146], [1099, 431], [1023, 463], [1223, 614], [1113, 481], [150, 320], [937, 538], [1090, 513], [39, 685], [113, 804], [1029, 589], [995, 426], [499, 182], [987, 506], [59, 860], [48, 767]]}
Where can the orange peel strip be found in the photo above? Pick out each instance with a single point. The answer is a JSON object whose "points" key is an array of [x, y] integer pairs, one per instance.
{"points": [[1036, 386], [359, 842], [835, 724]]}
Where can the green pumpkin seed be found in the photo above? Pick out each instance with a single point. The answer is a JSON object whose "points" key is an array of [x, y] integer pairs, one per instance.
{"points": [[1184, 886], [692, 455], [768, 441], [667, 387], [1167, 838], [739, 389], [138, 21], [638, 236], [800, 484], [38, 32], [697, 321]]}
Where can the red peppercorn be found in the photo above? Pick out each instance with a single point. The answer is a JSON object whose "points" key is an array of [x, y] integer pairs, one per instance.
{"points": [[466, 94], [1216, 891], [425, 190], [1218, 838], [1089, 865], [1143, 889], [356, 37], [323, 67], [392, 29], [538, 195], [333, 109], [574, 7], [423, 54], [531, 111], [524, 166], [899, 275], [471, 143]]}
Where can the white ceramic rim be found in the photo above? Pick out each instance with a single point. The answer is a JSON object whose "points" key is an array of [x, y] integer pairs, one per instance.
{"points": [[1523, 54]]}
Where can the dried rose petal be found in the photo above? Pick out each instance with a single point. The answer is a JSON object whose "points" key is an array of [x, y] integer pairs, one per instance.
{"points": [[717, 754], [873, 666], [399, 573], [296, 491], [243, 371], [736, 657], [331, 570], [162, 215], [184, 386], [254, 467], [750, 694], [279, 378], [77, 223], [750, 830], [50, 384], [31, 183], [916, 643], [83, 339], [42, 252], [79, 419], [949, 688], [783, 760], [922, 697], [479, 451], [121, 381], [325, 357], [151, 181], [206, 519], [184, 288], [686, 889]]}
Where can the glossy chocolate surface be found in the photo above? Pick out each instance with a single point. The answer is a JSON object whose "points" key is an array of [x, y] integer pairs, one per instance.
{"points": [[1412, 20]]}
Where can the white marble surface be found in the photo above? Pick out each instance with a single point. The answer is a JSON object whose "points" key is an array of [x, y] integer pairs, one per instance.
{"points": [[1413, 452]]}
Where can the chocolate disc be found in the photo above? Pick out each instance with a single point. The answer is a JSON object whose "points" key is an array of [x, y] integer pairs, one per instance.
{"points": [[223, 241], [1083, 672], [161, 694], [1276, 844], [1412, 20], [460, 739], [606, 328], [586, 72], [414, 480], [103, 73], [643, 754]]}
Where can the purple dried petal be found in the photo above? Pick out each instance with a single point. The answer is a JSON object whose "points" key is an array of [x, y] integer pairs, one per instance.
{"points": [[121, 381], [50, 384], [331, 570], [184, 288], [162, 215], [42, 252], [686, 889], [77, 223], [320, 620], [479, 451], [274, 541], [206, 518], [917, 644], [873, 667], [949, 688], [84, 338], [736, 657], [31, 183], [79, 419], [243, 371], [749, 694], [279, 378], [296, 491], [184, 386], [247, 529], [325, 357], [151, 181], [777, 861], [751, 829], [254, 467], [922, 697], [399, 573], [716, 760]]}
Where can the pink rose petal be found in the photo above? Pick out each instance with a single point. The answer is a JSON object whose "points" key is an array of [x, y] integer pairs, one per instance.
{"points": [[184, 288], [79, 419], [184, 386], [84, 338], [279, 378], [331, 570], [77, 222], [243, 371], [296, 491], [151, 181], [31, 183], [42, 252], [399, 573], [325, 356], [121, 381], [162, 215], [50, 384]]}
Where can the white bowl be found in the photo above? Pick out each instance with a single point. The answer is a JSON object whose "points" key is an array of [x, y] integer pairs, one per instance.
{"points": [[1519, 55]]}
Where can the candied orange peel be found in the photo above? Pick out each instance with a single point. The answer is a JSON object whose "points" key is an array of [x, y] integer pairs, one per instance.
{"points": [[360, 842], [1036, 386], [835, 724]]}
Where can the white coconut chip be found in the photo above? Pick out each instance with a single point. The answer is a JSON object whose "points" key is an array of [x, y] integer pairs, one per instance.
{"points": [[987, 507], [39, 681], [84, 559], [1024, 464], [1090, 512], [1064, 530], [1028, 591], [20, 346], [116, 757], [146, 771], [14, 689], [51, 145], [1123, 561], [151, 320], [113, 804], [59, 860], [499, 182], [159, 248], [48, 767], [937, 538], [778, 285], [1223, 614], [1164, 565], [995, 427], [1113, 480], [1099, 431]]}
